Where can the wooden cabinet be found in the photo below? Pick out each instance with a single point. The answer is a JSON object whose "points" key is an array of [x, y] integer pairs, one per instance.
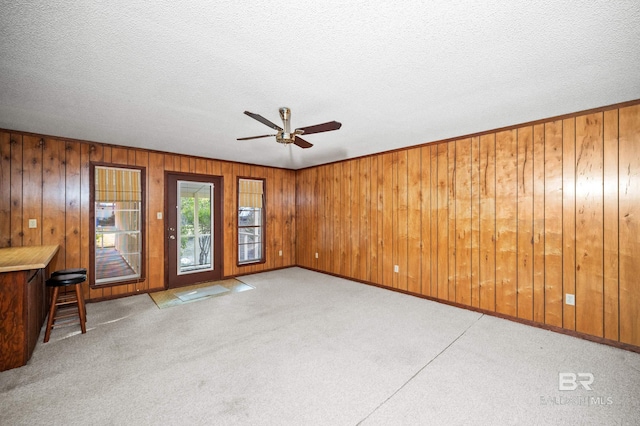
{"points": [[23, 303], [22, 313]]}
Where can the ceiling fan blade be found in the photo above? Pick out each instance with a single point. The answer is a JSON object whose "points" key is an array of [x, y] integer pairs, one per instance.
{"points": [[318, 128], [301, 142], [263, 120], [254, 137]]}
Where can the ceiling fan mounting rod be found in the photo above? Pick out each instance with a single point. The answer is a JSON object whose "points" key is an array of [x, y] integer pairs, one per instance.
{"points": [[285, 136]]}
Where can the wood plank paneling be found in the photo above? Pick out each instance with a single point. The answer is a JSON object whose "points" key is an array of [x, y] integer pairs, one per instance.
{"points": [[568, 220], [387, 220], [443, 221], [451, 220], [16, 190], [524, 253], [537, 226], [553, 223], [53, 201], [425, 219], [610, 229], [506, 222], [354, 217], [414, 221], [487, 222], [433, 189], [589, 219], [463, 210], [401, 246], [376, 220], [364, 266], [155, 226], [32, 189], [629, 222], [5, 189], [476, 178]]}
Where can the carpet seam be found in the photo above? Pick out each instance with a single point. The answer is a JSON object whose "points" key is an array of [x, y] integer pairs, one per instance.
{"points": [[419, 371]]}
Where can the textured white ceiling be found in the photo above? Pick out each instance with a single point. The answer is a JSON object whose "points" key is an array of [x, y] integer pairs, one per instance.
{"points": [[176, 76]]}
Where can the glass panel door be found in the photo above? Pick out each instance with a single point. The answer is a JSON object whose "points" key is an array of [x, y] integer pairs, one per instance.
{"points": [[195, 230]]}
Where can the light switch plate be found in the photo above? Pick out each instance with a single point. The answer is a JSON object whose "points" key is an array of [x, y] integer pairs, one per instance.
{"points": [[33, 223], [570, 299]]}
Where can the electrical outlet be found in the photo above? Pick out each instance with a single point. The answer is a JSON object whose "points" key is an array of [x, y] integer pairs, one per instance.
{"points": [[396, 268], [33, 223], [316, 255], [280, 253], [570, 299], [159, 215]]}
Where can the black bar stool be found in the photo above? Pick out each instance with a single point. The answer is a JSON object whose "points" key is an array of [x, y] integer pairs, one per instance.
{"points": [[66, 308]]}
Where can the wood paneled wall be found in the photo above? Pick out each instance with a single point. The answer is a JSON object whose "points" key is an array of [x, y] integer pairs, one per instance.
{"points": [[47, 179], [508, 222]]}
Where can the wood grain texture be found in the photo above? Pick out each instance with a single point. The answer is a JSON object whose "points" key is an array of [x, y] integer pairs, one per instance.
{"points": [[525, 239], [425, 221], [26, 258], [553, 223], [611, 264], [589, 219], [356, 251], [387, 220], [5, 189], [487, 222], [32, 189], [16, 190], [568, 220], [402, 233], [451, 220], [506, 222], [629, 222], [538, 224], [433, 215], [53, 201], [364, 266], [156, 227], [414, 221], [443, 221], [475, 221], [463, 219]]}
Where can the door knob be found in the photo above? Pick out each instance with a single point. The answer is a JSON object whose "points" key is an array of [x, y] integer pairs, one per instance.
{"points": [[172, 237]]}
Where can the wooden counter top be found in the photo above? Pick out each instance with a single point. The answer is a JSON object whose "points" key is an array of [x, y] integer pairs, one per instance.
{"points": [[24, 258]]}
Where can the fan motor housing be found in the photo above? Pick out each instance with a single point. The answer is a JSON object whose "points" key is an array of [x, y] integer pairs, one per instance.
{"points": [[285, 138]]}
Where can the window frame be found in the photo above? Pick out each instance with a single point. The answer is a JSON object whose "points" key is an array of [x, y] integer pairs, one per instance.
{"points": [[262, 226], [92, 225]]}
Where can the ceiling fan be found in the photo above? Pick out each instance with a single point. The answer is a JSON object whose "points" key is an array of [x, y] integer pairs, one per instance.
{"points": [[284, 135]]}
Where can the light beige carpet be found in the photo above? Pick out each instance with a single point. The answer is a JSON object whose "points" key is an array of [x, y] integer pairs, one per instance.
{"points": [[304, 348], [197, 292]]}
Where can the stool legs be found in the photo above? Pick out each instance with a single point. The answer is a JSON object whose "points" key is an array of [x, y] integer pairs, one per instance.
{"points": [[52, 313], [62, 300], [81, 309]]}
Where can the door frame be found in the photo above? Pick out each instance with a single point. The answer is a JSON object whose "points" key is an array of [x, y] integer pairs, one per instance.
{"points": [[217, 229]]}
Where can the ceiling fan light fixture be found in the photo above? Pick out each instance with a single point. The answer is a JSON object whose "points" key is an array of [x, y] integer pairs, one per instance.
{"points": [[284, 134]]}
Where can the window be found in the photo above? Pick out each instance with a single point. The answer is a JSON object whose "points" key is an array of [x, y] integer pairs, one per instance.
{"points": [[250, 221], [117, 246]]}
